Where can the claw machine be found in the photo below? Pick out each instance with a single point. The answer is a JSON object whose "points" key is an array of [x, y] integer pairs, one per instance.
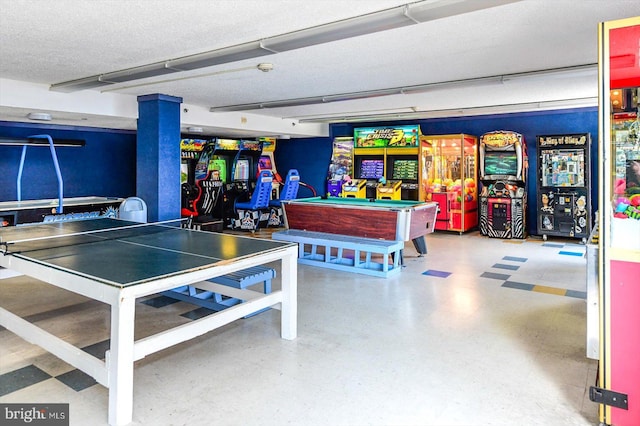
{"points": [[618, 389], [564, 186], [450, 177]]}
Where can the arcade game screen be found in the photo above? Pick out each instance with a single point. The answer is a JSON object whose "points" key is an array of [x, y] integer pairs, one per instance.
{"points": [[264, 163], [406, 170], [371, 169], [500, 163]]}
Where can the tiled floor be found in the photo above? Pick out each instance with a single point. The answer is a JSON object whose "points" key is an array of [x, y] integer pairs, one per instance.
{"points": [[477, 332]]}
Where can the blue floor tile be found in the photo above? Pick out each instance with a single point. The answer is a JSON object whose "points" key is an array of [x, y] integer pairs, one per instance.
{"points": [[571, 253], [519, 286], [576, 294], [515, 259], [434, 273], [495, 276], [553, 245], [504, 266]]}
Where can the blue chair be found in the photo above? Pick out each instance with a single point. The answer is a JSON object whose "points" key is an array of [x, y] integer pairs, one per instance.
{"points": [[289, 192], [253, 213]]}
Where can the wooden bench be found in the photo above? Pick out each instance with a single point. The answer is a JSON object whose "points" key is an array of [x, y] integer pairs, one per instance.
{"points": [[345, 253], [216, 301]]}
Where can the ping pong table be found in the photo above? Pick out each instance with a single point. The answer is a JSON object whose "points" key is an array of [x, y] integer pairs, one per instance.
{"points": [[115, 262]]}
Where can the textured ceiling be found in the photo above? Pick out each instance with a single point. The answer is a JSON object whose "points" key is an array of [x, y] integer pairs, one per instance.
{"points": [[56, 41]]}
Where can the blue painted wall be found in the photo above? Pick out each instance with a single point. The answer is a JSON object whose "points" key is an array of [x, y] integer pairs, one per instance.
{"points": [[105, 166], [312, 156]]}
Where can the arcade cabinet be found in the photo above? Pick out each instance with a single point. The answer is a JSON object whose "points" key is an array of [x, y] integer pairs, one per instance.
{"points": [[244, 175], [190, 151], [449, 177], [564, 186], [388, 157], [203, 186], [341, 165], [503, 168], [267, 162]]}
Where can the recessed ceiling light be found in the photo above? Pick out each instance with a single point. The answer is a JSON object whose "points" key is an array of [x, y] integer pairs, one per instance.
{"points": [[42, 116], [195, 129]]}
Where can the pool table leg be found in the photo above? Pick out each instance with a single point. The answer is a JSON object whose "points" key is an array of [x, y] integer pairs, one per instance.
{"points": [[420, 244]]}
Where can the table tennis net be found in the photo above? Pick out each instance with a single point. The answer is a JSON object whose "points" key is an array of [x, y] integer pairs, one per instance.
{"points": [[21, 239]]}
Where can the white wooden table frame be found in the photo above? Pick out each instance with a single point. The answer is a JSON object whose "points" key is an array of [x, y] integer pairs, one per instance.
{"points": [[116, 372]]}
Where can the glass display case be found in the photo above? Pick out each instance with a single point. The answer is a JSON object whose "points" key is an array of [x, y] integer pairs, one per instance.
{"points": [[617, 390], [450, 177]]}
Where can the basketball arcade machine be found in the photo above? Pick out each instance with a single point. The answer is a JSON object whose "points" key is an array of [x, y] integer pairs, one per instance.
{"points": [[503, 169], [449, 178], [564, 186]]}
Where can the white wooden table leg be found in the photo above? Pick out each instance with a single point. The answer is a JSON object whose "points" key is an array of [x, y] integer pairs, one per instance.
{"points": [[120, 362], [289, 312]]}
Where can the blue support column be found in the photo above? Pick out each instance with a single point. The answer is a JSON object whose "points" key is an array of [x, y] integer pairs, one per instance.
{"points": [[158, 156]]}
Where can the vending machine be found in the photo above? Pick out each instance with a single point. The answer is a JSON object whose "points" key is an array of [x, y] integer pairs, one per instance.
{"points": [[564, 186]]}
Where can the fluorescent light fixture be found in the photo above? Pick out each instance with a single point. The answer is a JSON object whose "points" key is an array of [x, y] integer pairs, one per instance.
{"points": [[400, 16], [40, 116], [221, 56], [79, 84], [195, 129], [353, 27], [432, 10], [567, 72], [457, 112], [145, 71], [361, 95], [573, 72], [470, 82], [269, 104]]}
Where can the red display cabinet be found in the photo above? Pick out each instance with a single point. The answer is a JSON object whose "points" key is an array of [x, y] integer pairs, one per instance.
{"points": [[618, 388]]}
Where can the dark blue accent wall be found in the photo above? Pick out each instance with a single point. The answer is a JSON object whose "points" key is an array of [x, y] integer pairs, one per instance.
{"points": [[312, 156], [105, 166]]}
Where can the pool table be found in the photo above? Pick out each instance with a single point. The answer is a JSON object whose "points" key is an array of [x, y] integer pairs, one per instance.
{"points": [[394, 220]]}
